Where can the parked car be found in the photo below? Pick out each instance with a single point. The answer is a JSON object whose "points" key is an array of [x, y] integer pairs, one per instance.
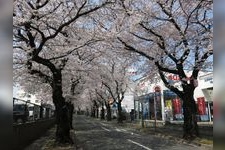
{"points": [[20, 113]]}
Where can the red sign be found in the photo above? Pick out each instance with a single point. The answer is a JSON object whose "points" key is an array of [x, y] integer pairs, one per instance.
{"points": [[173, 77], [201, 106], [177, 106]]}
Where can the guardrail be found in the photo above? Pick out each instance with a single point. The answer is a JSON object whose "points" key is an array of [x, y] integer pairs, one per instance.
{"points": [[25, 111]]}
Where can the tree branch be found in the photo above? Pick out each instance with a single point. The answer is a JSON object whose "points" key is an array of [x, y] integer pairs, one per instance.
{"points": [[142, 38], [184, 39], [67, 53], [46, 78], [78, 15], [74, 84], [132, 49], [200, 63], [165, 69], [40, 6], [110, 91], [46, 63], [162, 44], [172, 88]]}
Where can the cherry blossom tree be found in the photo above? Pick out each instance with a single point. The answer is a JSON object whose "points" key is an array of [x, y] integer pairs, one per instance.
{"points": [[101, 93], [55, 40], [174, 35], [46, 33], [114, 77]]}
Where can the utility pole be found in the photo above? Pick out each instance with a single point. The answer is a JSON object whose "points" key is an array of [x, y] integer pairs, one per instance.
{"points": [[155, 112], [209, 113], [142, 115]]}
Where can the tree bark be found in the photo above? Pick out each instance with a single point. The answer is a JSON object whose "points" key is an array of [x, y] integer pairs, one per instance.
{"points": [[62, 117], [79, 111], [93, 112], [70, 107], [102, 112], [190, 126], [62, 112], [97, 112], [87, 112], [120, 116], [109, 115]]}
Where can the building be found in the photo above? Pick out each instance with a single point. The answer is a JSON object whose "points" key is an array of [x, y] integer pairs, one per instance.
{"points": [[157, 101], [36, 108], [27, 97], [128, 101]]}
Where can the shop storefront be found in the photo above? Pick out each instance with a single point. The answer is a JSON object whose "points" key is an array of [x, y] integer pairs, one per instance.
{"points": [[163, 104], [151, 105], [203, 97], [205, 109], [173, 106]]}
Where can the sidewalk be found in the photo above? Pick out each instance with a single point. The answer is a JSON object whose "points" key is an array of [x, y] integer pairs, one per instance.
{"points": [[47, 142]]}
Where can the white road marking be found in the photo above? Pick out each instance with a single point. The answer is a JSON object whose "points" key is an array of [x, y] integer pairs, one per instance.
{"points": [[103, 124], [139, 144], [118, 130], [123, 130], [105, 129]]}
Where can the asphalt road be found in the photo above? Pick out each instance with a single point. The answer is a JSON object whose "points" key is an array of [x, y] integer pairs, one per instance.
{"points": [[93, 134]]}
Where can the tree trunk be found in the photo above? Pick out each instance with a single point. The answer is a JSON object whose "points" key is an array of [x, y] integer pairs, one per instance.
{"points": [[93, 112], [190, 126], [79, 111], [120, 116], [109, 115], [62, 114], [97, 112], [87, 112], [70, 113], [102, 112]]}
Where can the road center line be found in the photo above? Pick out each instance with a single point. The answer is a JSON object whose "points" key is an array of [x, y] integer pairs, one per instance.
{"points": [[105, 129], [139, 144]]}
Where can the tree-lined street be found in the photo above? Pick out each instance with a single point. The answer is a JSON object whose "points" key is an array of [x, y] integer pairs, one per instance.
{"points": [[90, 56]]}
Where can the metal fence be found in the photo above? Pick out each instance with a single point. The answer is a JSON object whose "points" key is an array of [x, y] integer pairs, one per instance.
{"points": [[25, 111]]}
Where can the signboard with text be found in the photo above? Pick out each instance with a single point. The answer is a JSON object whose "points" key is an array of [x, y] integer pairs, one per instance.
{"points": [[177, 106], [201, 106]]}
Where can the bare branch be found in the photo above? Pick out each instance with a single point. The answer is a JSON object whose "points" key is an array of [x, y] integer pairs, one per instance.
{"points": [[132, 49]]}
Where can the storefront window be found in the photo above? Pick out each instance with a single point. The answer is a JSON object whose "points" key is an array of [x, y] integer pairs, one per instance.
{"points": [[205, 109], [173, 106]]}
